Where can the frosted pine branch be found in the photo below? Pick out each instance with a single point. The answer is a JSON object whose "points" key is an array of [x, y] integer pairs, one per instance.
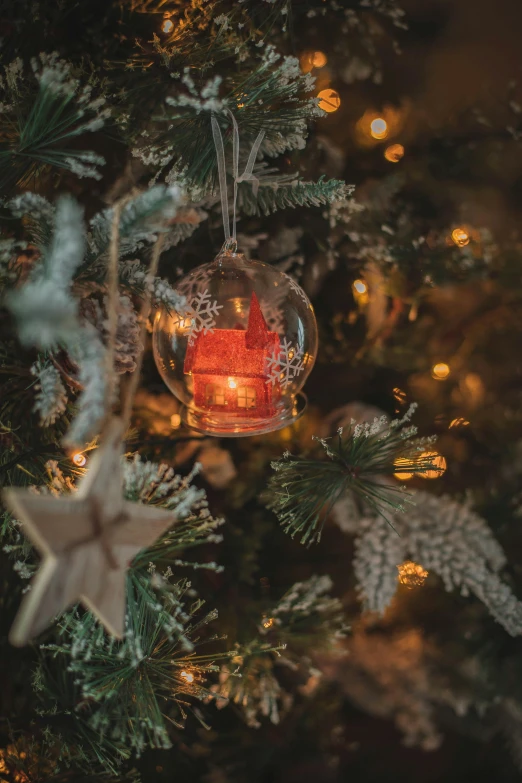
{"points": [[445, 537], [51, 397], [88, 352]]}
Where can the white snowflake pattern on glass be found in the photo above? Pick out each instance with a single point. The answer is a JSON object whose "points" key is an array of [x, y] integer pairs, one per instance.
{"points": [[201, 314], [285, 364], [296, 288]]}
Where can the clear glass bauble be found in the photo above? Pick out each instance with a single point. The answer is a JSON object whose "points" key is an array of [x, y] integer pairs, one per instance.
{"points": [[239, 355]]}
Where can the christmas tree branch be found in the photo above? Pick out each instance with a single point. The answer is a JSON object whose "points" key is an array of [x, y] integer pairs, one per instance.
{"points": [[304, 490]]}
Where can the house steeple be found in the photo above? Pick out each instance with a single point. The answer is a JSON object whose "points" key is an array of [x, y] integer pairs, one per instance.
{"points": [[257, 333]]}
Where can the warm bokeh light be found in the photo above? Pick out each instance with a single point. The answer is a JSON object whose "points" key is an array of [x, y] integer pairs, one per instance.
{"points": [[360, 292], [438, 461], [329, 100], [399, 395], [268, 622], [379, 128], [411, 574], [394, 153], [167, 25], [319, 59], [440, 371], [188, 676], [79, 459], [458, 422], [311, 60], [175, 420], [460, 236], [401, 475]]}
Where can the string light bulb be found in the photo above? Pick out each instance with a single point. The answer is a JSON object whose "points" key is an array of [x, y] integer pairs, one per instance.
{"points": [[188, 676], [411, 574], [460, 236], [79, 459], [440, 371], [311, 60], [439, 463], [399, 474], [167, 25], [379, 128], [329, 100], [458, 422], [360, 292], [268, 622], [394, 153], [175, 420]]}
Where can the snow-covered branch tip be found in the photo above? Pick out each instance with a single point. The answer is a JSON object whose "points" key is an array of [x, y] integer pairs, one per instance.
{"points": [[303, 490]]}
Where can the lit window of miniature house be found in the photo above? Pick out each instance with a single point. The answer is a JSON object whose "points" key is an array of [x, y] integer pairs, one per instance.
{"points": [[229, 367]]}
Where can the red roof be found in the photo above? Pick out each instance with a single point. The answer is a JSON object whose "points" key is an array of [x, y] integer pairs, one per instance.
{"points": [[234, 351], [224, 352]]}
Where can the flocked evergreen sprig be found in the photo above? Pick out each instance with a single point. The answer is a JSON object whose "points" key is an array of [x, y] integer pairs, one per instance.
{"points": [[131, 692], [51, 306], [307, 618], [303, 490], [124, 695], [40, 127], [444, 537]]}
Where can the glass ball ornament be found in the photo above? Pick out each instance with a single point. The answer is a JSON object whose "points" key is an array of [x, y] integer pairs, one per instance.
{"points": [[242, 349]]}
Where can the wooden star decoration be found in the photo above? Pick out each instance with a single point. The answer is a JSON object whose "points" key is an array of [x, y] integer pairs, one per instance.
{"points": [[87, 540]]}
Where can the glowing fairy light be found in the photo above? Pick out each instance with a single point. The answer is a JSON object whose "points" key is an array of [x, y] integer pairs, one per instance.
{"points": [[394, 153], [360, 292], [79, 459], [175, 420], [440, 371], [402, 475], [439, 463], [329, 100], [458, 422], [411, 574], [379, 128], [460, 236], [188, 676], [311, 60], [319, 59], [268, 622], [167, 25]]}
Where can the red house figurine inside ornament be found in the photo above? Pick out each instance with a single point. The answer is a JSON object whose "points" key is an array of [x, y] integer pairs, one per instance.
{"points": [[239, 349], [230, 367]]}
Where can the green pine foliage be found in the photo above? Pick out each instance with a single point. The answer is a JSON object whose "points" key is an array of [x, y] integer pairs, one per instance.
{"points": [[303, 490]]}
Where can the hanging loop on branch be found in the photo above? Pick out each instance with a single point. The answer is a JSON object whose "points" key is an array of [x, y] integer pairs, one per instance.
{"points": [[246, 176]]}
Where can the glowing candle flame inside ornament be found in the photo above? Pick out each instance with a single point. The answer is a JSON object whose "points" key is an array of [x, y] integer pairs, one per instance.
{"points": [[379, 128]]}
